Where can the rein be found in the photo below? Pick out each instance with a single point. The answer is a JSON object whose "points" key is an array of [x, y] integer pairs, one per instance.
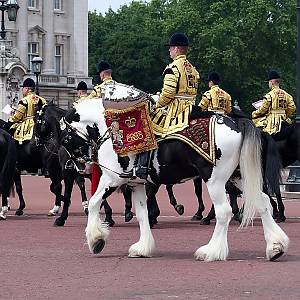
{"points": [[94, 145]]}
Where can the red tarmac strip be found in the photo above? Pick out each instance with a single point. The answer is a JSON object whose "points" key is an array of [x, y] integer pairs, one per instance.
{"points": [[40, 261]]}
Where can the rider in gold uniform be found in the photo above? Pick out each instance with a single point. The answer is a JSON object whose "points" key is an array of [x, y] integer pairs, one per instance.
{"points": [[175, 102], [81, 92], [104, 71], [22, 120], [277, 107], [179, 90], [216, 99]]}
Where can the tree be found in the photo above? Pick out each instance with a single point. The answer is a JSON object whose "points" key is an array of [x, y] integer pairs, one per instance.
{"points": [[241, 39]]}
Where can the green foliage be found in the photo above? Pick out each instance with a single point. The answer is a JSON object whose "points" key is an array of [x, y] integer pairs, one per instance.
{"points": [[241, 39]]}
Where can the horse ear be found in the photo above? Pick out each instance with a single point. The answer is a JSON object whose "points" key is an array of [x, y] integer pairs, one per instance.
{"points": [[51, 102], [72, 115]]}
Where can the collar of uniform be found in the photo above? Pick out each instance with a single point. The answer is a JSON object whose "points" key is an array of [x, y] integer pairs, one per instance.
{"points": [[107, 79], [30, 94], [180, 56], [214, 87], [274, 87]]}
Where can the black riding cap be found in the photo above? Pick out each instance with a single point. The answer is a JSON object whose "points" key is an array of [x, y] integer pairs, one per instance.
{"points": [[273, 75], [103, 66], [28, 82], [81, 86], [213, 76], [178, 39]]}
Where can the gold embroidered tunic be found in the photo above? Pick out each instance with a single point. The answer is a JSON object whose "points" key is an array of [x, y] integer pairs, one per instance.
{"points": [[277, 106], [96, 93], [23, 116], [216, 100], [177, 97]]}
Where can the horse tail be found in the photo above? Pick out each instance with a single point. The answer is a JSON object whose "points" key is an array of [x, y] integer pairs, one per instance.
{"points": [[9, 166], [271, 164], [251, 169]]}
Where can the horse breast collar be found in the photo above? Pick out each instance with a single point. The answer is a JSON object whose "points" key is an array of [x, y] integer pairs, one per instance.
{"points": [[200, 136]]}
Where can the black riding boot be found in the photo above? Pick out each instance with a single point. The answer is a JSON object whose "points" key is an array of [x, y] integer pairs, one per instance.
{"points": [[140, 167]]}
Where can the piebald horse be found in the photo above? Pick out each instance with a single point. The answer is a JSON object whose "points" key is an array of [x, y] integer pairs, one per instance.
{"points": [[174, 162]]}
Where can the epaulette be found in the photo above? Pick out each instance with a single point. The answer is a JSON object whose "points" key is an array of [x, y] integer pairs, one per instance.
{"points": [[168, 71]]}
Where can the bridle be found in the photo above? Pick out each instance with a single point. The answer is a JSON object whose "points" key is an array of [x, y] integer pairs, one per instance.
{"points": [[78, 154]]}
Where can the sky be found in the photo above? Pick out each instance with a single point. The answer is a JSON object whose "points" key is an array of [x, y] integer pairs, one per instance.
{"points": [[103, 5]]}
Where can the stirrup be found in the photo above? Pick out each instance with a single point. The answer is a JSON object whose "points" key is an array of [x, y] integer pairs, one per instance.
{"points": [[128, 174]]}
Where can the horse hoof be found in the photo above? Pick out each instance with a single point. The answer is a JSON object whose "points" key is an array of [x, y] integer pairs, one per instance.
{"points": [[128, 216], [152, 223], [276, 256], [196, 218], [205, 221], [19, 212], [110, 222], [180, 209], [86, 211], [280, 219], [275, 215], [236, 217], [59, 222], [98, 247]]}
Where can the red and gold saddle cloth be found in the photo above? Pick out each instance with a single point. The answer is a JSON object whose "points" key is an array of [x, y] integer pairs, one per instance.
{"points": [[131, 129], [200, 136]]}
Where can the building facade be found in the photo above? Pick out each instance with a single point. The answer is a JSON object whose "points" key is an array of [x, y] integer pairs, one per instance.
{"points": [[57, 31]]}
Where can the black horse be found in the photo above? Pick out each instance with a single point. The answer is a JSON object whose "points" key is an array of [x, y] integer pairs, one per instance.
{"points": [[8, 156], [72, 166], [31, 157]]}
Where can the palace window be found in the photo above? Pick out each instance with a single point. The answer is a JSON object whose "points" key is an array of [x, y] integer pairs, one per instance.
{"points": [[32, 3], [57, 4], [33, 51], [58, 59]]}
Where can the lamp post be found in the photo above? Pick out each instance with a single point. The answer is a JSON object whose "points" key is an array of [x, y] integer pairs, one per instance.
{"points": [[11, 6], [36, 69]]}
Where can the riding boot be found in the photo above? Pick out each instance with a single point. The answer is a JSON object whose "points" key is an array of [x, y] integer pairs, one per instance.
{"points": [[140, 167]]}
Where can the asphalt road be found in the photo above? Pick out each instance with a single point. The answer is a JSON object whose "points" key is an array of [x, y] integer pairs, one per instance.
{"points": [[40, 261]]}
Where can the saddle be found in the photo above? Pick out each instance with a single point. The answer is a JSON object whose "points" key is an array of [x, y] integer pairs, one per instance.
{"points": [[285, 132], [127, 117], [199, 135]]}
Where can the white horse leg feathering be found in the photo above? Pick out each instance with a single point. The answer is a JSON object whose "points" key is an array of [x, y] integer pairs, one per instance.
{"points": [[217, 248], [145, 246], [54, 211], [97, 231], [3, 213]]}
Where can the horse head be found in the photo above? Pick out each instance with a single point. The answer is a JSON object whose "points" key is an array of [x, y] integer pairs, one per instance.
{"points": [[47, 123]]}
